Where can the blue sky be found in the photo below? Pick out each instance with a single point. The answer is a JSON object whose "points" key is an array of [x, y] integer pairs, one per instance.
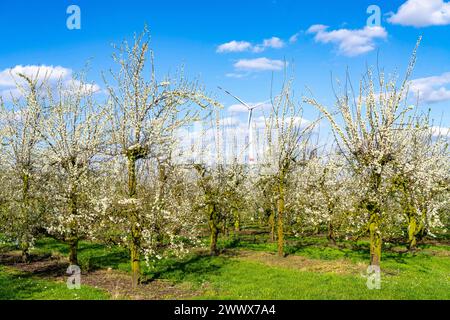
{"points": [[191, 33]]}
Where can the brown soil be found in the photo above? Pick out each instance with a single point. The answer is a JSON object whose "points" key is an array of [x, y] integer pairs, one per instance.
{"points": [[116, 283], [301, 263]]}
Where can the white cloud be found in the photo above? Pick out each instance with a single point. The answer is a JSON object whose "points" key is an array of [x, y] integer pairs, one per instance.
{"points": [[432, 89], [350, 42], [52, 74], [259, 64], [422, 13], [294, 38], [11, 93], [273, 42], [237, 108], [242, 46], [234, 46], [86, 88]]}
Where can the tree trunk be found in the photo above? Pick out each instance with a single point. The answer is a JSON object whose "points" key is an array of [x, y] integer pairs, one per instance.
{"points": [[135, 230], [280, 219], [374, 223], [25, 252], [214, 232], [73, 239], [225, 228], [135, 264], [412, 232], [272, 226], [237, 221], [330, 235], [73, 252], [375, 240], [24, 246]]}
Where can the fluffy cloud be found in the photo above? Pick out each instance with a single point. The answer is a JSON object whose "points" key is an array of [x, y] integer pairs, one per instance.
{"points": [[234, 46], [52, 73], [350, 42], [10, 76], [259, 64], [273, 42], [432, 89], [241, 46], [422, 13]]}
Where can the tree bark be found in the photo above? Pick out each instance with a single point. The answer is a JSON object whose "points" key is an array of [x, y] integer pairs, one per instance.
{"points": [[330, 235], [135, 264], [272, 226], [73, 252], [412, 232], [280, 216], [214, 232], [237, 221], [135, 230], [24, 246], [73, 239], [25, 252], [375, 240], [374, 223]]}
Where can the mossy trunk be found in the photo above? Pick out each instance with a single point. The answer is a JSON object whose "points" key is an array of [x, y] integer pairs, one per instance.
{"points": [[214, 232], [73, 252], [272, 226], [280, 220], [375, 240], [135, 264], [225, 228], [25, 247], [412, 232], [330, 234], [136, 233], [237, 221]]}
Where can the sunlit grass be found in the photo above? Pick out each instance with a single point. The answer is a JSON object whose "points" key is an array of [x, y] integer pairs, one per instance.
{"points": [[423, 275]]}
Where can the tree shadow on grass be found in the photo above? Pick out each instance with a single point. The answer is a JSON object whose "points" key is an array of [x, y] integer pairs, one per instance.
{"points": [[19, 286], [195, 268], [105, 260]]}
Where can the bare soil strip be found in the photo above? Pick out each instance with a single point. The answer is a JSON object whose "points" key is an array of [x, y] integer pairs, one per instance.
{"points": [[116, 283], [341, 266]]}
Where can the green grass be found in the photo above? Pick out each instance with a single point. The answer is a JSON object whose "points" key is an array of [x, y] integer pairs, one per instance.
{"points": [[91, 256], [424, 275], [247, 280], [16, 285], [404, 276]]}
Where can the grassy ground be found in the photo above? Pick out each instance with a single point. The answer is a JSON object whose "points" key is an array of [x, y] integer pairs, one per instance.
{"points": [[247, 269], [17, 285]]}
